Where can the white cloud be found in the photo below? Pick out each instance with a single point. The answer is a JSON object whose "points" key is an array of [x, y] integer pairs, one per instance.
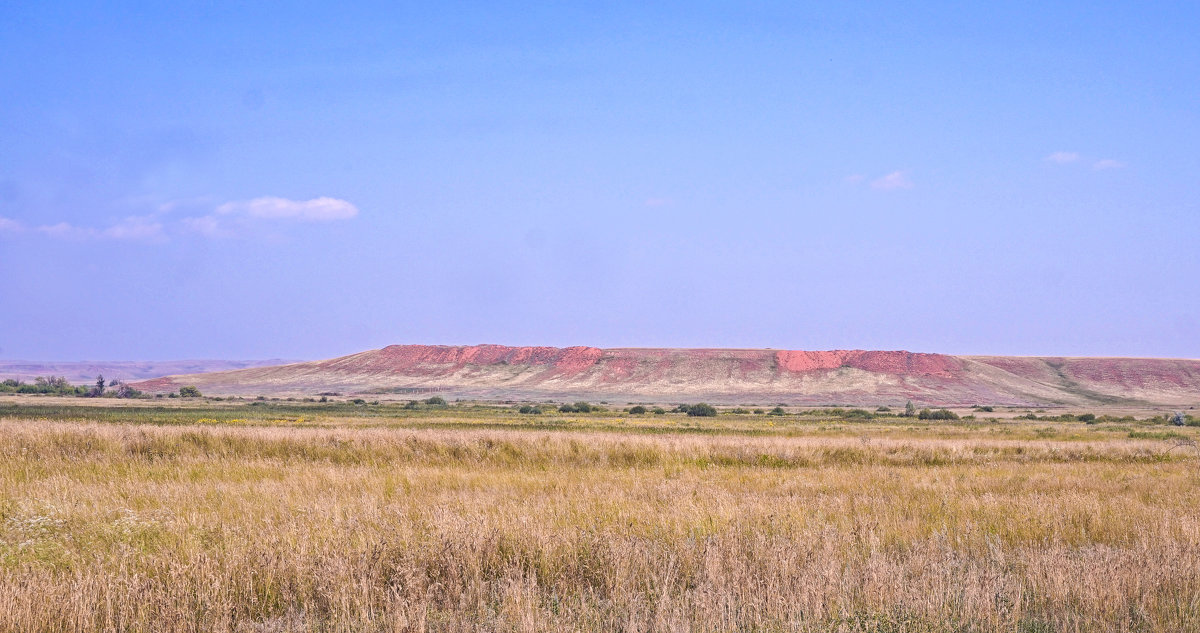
{"points": [[1062, 158], [272, 208], [66, 231], [10, 226], [1107, 163], [130, 229], [892, 181], [135, 228], [208, 226], [227, 220]]}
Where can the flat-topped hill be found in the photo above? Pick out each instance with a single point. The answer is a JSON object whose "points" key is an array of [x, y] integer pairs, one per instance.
{"points": [[717, 375]]}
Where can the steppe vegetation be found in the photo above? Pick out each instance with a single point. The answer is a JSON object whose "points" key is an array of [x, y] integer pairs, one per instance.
{"points": [[261, 515]]}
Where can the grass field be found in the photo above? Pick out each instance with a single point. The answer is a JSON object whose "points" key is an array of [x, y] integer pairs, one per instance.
{"points": [[206, 516]]}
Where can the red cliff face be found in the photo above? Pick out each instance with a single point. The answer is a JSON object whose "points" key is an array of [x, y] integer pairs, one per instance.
{"points": [[901, 363]]}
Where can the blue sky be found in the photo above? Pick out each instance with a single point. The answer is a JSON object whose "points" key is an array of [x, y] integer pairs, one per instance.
{"points": [[218, 181]]}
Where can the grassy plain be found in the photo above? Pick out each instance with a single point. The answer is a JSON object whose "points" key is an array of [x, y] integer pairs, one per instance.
{"points": [[276, 516]]}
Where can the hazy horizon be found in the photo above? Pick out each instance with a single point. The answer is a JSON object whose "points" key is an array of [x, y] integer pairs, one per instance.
{"points": [[241, 182]]}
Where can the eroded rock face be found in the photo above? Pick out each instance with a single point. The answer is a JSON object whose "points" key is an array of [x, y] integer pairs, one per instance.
{"points": [[898, 362], [623, 362]]}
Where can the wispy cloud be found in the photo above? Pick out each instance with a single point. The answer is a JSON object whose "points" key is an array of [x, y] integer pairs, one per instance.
{"points": [[135, 228], [1065, 158], [131, 229], [1062, 158], [892, 181], [242, 216], [231, 219], [271, 208], [8, 225], [207, 225]]}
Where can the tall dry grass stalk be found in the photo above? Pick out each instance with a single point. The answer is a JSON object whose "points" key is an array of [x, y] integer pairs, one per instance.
{"points": [[138, 528]]}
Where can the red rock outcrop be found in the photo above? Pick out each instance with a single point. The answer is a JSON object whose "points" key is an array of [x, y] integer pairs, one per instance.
{"points": [[898, 363]]}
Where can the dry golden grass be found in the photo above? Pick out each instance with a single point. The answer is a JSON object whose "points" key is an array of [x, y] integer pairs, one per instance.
{"points": [[241, 528]]}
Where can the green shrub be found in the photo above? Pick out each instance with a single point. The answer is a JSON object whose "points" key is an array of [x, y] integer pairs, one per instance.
{"points": [[940, 414], [583, 407], [1089, 418], [777, 411], [637, 410], [658, 411], [189, 392], [436, 401], [702, 410]]}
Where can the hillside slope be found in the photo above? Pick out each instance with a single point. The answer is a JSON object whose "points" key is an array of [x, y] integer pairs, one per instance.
{"points": [[853, 377]]}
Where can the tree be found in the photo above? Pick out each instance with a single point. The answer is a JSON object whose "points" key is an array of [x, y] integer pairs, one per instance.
{"points": [[98, 390], [1178, 418], [189, 392], [909, 409]]}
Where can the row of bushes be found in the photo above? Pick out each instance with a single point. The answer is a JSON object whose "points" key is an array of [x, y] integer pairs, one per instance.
{"points": [[60, 386], [55, 385]]}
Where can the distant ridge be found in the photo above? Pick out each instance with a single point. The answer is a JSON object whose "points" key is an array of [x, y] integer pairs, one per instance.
{"points": [[80, 372], [855, 377]]}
